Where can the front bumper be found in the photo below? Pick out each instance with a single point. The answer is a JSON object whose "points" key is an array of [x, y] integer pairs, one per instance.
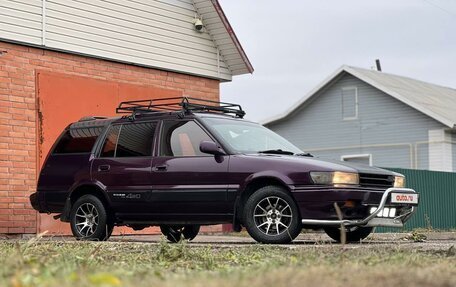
{"points": [[372, 220]]}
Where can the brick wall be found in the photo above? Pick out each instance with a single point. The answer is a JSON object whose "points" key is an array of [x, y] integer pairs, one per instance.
{"points": [[18, 116]]}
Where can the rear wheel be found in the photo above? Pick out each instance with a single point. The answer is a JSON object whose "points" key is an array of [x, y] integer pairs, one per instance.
{"points": [[89, 219], [271, 216], [177, 233], [354, 234]]}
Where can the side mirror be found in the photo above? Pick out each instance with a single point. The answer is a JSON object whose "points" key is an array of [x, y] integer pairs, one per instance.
{"points": [[211, 147]]}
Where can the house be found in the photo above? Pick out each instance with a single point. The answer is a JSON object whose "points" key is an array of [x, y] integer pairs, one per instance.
{"points": [[375, 118], [62, 60]]}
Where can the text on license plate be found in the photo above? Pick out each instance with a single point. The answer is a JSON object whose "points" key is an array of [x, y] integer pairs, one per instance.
{"points": [[404, 198]]}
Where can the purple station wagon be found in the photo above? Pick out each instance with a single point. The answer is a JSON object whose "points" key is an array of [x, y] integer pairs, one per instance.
{"points": [[180, 163]]}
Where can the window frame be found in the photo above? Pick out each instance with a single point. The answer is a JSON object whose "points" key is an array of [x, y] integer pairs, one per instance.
{"points": [[160, 135], [349, 88], [364, 155], [102, 141]]}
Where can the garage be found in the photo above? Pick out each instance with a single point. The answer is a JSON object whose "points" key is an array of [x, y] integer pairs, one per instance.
{"points": [[59, 63], [86, 97]]}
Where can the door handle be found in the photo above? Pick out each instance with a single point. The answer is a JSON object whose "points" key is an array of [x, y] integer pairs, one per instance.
{"points": [[104, 167], [161, 168]]}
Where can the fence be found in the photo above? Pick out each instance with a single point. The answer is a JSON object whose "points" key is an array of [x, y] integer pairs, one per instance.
{"points": [[437, 206]]}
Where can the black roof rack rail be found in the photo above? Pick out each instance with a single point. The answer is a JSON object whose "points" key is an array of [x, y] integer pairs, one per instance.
{"points": [[91, 118], [176, 104]]}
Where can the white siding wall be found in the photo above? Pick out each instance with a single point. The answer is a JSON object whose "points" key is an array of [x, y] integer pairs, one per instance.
{"points": [[385, 127], [440, 150], [153, 33], [21, 20], [228, 49]]}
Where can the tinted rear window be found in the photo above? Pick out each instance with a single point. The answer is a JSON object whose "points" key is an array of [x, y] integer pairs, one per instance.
{"points": [[77, 141], [134, 140]]}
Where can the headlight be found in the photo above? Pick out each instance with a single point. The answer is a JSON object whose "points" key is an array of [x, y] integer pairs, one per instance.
{"points": [[336, 177], [399, 181]]}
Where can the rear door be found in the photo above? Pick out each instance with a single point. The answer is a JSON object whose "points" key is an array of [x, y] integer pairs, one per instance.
{"points": [[124, 165], [187, 183]]}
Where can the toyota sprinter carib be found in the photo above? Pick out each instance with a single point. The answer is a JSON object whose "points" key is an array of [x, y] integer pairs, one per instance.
{"points": [[180, 163]]}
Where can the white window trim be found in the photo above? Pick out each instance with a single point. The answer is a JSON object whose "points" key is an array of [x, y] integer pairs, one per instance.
{"points": [[348, 88], [365, 155]]}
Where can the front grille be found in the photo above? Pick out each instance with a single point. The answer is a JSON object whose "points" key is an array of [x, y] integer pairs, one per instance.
{"points": [[376, 180]]}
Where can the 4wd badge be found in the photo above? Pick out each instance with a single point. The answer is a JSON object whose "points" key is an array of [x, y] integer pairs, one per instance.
{"points": [[127, 195]]}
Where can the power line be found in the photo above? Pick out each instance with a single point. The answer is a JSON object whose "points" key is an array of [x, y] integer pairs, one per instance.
{"points": [[439, 7]]}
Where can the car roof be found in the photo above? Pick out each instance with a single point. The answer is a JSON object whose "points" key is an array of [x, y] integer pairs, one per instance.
{"points": [[93, 122]]}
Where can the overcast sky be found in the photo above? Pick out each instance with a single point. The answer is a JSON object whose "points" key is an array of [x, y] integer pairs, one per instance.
{"points": [[294, 45]]}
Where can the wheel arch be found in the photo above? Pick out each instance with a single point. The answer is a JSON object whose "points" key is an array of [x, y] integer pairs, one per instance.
{"points": [[250, 187], [81, 189], [89, 188]]}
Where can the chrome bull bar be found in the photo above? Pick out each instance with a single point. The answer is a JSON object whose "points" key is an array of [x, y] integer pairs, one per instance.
{"points": [[371, 220]]}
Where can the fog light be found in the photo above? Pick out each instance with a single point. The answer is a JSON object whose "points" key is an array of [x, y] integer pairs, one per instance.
{"points": [[392, 212], [386, 211]]}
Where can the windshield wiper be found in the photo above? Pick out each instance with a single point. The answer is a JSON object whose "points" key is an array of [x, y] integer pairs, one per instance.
{"points": [[304, 154], [277, 151]]}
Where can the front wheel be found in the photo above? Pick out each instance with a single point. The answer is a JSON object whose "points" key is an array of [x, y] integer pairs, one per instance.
{"points": [[89, 219], [271, 216], [354, 234]]}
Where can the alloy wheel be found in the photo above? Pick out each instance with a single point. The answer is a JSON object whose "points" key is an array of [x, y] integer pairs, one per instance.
{"points": [[272, 215], [87, 219]]}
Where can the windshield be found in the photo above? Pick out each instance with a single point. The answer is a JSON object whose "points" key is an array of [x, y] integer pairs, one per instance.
{"points": [[247, 137]]}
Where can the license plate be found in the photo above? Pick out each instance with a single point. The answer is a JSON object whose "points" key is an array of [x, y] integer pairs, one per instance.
{"points": [[404, 198]]}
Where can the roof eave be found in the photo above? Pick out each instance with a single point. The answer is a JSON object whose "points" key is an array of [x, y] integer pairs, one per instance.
{"points": [[309, 95], [233, 36], [398, 97]]}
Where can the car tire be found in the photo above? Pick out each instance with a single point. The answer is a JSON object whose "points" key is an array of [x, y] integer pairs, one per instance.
{"points": [[89, 219], [271, 216], [355, 235], [175, 234], [190, 231]]}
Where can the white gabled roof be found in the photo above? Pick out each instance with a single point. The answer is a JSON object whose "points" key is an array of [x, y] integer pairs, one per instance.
{"points": [[217, 25], [432, 100]]}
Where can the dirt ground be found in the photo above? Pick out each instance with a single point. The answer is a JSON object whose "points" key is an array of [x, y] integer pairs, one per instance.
{"points": [[425, 240]]}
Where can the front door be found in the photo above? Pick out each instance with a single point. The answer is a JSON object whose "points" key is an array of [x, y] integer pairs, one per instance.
{"points": [[188, 184], [124, 166]]}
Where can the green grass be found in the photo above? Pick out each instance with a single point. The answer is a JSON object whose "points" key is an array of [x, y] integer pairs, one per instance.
{"points": [[51, 263]]}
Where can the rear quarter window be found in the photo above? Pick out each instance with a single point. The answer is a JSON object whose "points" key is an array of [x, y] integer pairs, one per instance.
{"points": [[77, 141]]}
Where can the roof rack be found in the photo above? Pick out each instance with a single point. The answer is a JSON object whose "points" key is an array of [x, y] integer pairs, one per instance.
{"points": [[176, 104]]}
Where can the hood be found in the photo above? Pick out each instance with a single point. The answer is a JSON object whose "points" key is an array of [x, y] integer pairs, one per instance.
{"points": [[361, 168], [317, 164]]}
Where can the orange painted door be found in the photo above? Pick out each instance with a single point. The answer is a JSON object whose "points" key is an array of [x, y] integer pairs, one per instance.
{"points": [[64, 99]]}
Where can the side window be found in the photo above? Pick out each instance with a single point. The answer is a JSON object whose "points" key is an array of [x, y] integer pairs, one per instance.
{"points": [[129, 140], [109, 146], [136, 140], [349, 103], [77, 141], [182, 138]]}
